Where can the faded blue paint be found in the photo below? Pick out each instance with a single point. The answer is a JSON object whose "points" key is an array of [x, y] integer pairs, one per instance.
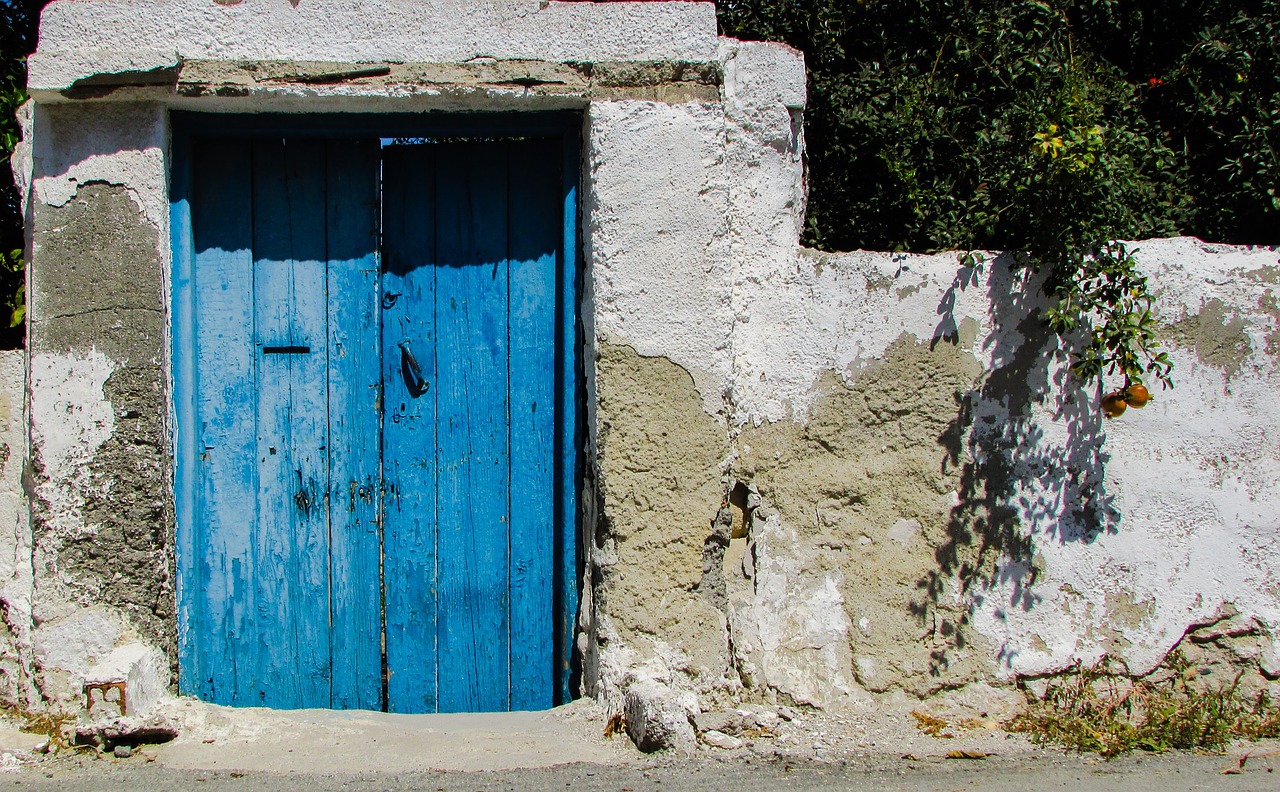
{"points": [[569, 448], [409, 420], [536, 227], [292, 483], [472, 458], [355, 382]]}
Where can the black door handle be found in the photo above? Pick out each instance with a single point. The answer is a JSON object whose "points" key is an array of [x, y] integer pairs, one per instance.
{"points": [[414, 382]]}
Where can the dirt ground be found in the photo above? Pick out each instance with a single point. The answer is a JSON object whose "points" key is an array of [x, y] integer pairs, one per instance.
{"points": [[882, 749]]}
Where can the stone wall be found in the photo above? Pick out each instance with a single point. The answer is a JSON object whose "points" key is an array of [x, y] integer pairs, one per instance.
{"points": [[914, 493]]}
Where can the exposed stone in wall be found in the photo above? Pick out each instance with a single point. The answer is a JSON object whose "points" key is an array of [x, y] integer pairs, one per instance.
{"points": [[1216, 334], [1223, 653], [855, 503], [659, 461], [101, 506], [1231, 650], [526, 81]]}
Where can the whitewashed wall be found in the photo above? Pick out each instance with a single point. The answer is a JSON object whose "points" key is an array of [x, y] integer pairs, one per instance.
{"points": [[15, 533]]}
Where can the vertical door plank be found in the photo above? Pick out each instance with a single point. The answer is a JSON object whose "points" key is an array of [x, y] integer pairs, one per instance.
{"points": [[186, 474], [409, 425], [290, 311], [569, 447], [536, 229], [220, 593], [354, 425], [471, 322]]}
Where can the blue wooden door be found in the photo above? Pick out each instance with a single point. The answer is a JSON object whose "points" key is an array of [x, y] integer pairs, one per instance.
{"points": [[472, 232], [377, 458]]}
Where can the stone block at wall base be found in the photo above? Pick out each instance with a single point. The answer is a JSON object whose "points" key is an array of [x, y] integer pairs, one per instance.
{"points": [[127, 731], [129, 682], [657, 718]]}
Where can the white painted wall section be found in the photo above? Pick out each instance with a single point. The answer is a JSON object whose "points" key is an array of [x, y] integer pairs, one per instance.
{"points": [[764, 93], [657, 214], [79, 39], [16, 575]]}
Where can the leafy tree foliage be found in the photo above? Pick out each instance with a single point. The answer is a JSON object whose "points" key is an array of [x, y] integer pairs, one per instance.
{"points": [[1046, 128], [18, 21]]}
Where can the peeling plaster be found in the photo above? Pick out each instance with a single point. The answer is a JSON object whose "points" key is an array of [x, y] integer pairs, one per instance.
{"points": [[20, 162], [101, 520], [1217, 336], [1110, 539], [16, 574], [119, 145], [658, 204], [69, 423]]}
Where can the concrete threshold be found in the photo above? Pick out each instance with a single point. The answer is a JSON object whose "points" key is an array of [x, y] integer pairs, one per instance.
{"points": [[332, 741]]}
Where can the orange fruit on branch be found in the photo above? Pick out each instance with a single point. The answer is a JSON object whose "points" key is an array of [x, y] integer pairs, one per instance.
{"points": [[1137, 396], [1113, 404]]}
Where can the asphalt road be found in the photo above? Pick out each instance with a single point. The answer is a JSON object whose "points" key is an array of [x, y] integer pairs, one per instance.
{"points": [[1041, 771]]}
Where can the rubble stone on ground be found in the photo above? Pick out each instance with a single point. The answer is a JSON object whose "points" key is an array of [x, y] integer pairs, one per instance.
{"points": [[656, 718]]}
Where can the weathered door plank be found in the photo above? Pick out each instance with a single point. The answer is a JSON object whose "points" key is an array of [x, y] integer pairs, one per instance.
{"points": [[354, 430], [409, 420], [535, 236], [292, 549], [473, 456], [221, 597]]}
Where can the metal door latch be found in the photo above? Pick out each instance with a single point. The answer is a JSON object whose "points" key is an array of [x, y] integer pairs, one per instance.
{"points": [[412, 372]]}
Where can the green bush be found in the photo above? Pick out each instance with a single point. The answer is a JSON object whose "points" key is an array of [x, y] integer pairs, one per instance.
{"points": [[1047, 129], [18, 20]]}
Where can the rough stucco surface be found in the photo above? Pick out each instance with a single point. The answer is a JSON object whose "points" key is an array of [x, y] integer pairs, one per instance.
{"points": [[658, 200], [102, 550], [82, 39], [945, 504], [854, 500], [659, 458], [1030, 534], [15, 535]]}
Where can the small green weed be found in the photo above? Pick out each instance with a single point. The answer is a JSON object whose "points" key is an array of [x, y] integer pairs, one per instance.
{"points": [[1098, 709]]}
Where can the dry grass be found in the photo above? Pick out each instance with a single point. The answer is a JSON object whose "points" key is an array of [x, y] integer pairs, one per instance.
{"points": [[50, 724], [930, 725]]}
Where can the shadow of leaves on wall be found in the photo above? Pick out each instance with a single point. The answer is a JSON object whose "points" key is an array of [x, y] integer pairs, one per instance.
{"points": [[1027, 446]]}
